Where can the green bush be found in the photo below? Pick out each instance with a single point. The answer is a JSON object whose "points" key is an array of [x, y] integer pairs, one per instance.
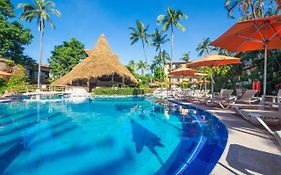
{"points": [[120, 91]]}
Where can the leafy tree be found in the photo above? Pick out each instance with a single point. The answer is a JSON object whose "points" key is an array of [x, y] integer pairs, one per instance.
{"points": [[169, 21], [140, 33], [13, 36], [158, 39], [186, 57], [132, 66], [6, 9], [41, 11], [142, 66], [65, 57], [251, 9], [204, 47]]}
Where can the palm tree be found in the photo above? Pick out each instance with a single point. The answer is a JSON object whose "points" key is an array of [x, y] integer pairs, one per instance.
{"points": [[251, 9], [140, 33], [169, 21], [157, 40], [186, 57], [132, 66], [142, 66], [204, 47], [40, 11]]}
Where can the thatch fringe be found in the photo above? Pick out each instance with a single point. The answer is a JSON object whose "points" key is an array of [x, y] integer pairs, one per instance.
{"points": [[101, 61]]}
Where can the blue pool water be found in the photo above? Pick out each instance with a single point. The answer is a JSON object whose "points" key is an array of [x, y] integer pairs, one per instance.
{"points": [[107, 136]]}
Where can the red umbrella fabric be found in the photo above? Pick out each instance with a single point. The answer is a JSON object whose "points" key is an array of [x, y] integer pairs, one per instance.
{"points": [[257, 34]]}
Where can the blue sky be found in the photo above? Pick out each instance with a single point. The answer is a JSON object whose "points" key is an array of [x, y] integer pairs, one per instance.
{"points": [[86, 20]]}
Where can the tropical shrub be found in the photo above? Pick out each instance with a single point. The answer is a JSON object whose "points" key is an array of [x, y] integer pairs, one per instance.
{"points": [[120, 91]]}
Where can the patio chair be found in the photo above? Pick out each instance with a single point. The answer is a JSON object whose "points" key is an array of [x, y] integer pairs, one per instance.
{"points": [[264, 118], [205, 99], [224, 98], [246, 98]]}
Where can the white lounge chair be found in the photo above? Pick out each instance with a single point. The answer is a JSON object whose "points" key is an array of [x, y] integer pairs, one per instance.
{"points": [[246, 98], [221, 100], [264, 118]]}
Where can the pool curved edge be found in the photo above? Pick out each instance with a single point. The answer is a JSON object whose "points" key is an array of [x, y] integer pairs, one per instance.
{"points": [[195, 166]]}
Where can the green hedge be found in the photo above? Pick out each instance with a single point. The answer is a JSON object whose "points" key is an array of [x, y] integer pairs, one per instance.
{"points": [[121, 91]]}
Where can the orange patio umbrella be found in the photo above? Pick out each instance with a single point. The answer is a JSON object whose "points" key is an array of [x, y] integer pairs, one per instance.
{"points": [[257, 34], [214, 60], [183, 72]]}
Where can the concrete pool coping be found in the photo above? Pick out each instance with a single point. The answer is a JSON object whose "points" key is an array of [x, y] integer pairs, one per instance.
{"points": [[249, 149]]}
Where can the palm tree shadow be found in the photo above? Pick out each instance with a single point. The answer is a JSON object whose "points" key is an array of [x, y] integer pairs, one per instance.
{"points": [[143, 137], [248, 160]]}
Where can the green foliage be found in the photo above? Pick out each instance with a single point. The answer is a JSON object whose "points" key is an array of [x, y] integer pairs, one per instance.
{"points": [[159, 75], [140, 33], [6, 9], [144, 80], [158, 39], [13, 36], [171, 19], [221, 75], [16, 81], [142, 66], [251, 9], [132, 66], [186, 57], [120, 91], [41, 11], [65, 57], [204, 47]]}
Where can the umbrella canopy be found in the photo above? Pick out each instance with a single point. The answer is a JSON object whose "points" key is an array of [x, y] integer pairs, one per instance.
{"points": [[257, 34], [214, 60], [4, 74], [200, 75], [183, 72], [201, 82], [252, 35], [172, 83]]}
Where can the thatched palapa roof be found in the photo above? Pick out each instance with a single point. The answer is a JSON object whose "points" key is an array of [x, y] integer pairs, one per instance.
{"points": [[101, 61]]}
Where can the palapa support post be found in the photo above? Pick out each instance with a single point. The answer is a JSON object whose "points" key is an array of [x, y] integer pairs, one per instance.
{"points": [[123, 80], [112, 79], [88, 86]]}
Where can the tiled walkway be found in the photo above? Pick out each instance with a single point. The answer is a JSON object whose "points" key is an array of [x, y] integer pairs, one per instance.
{"points": [[250, 149]]}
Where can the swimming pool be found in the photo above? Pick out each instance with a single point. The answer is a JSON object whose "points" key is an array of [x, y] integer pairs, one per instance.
{"points": [[108, 136]]}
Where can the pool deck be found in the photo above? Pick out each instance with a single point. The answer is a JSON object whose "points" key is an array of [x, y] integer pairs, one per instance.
{"points": [[249, 150]]}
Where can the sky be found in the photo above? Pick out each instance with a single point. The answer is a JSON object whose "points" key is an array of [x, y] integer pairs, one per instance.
{"points": [[86, 20]]}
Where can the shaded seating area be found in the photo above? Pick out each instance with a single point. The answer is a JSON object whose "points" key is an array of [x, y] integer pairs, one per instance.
{"points": [[101, 68]]}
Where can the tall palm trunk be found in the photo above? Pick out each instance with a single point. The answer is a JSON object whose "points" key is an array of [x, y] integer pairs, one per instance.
{"points": [[41, 54], [161, 58], [172, 47], [144, 50]]}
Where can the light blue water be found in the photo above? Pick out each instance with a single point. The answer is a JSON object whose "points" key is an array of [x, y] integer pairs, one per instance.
{"points": [[107, 136]]}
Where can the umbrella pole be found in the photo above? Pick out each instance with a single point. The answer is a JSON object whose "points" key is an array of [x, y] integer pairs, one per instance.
{"points": [[212, 88], [264, 74], [205, 84]]}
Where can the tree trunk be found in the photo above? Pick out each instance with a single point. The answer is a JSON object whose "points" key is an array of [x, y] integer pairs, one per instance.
{"points": [[160, 54], [144, 50], [172, 46], [41, 55]]}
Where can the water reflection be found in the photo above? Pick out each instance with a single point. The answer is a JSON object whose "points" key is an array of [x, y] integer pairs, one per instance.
{"points": [[143, 137]]}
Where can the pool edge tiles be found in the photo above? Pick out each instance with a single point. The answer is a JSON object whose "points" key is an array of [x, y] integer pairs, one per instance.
{"points": [[189, 167]]}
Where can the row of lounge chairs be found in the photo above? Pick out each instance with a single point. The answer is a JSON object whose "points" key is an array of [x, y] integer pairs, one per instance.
{"points": [[248, 106]]}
